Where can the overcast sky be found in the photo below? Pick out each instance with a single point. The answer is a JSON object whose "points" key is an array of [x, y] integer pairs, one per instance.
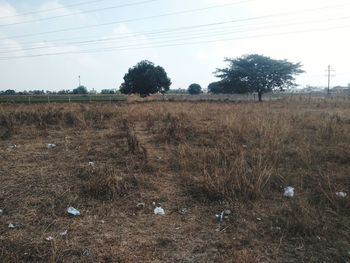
{"points": [[46, 44]]}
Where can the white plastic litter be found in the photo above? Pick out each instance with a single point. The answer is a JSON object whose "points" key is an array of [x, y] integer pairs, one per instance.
{"points": [[227, 212], [14, 146], [72, 211], [49, 238], [159, 211], [13, 226], [92, 164], [220, 217], [1, 212], [64, 233], [288, 191], [51, 146], [341, 194]]}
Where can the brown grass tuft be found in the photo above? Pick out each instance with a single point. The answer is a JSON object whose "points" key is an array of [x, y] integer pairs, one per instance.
{"points": [[107, 183]]}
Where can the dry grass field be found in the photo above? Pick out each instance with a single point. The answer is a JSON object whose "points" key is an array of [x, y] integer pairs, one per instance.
{"points": [[196, 159]]}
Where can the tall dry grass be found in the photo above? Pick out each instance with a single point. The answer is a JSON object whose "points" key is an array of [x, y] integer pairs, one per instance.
{"points": [[249, 150]]}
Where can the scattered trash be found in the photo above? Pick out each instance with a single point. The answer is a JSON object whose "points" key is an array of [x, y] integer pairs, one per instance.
{"points": [[183, 211], [64, 233], [258, 218], [154, 203], [49, 238], [14, 146], [341, 194], [288, 191], [140, 205], [86, 253], [1, 212], [51, 146], [159, 211], [223, 215], [220, 217], [72, 211], [227, 212], [13, 226], [244, 146], [92, 164]]}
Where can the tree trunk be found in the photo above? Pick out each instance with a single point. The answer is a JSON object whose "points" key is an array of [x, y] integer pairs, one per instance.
{"points": [[260, 95]]}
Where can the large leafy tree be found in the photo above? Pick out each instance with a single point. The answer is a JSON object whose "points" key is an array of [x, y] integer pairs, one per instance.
{"points": [[145, 78], [80, 90], [256, 73], [194, 89]]}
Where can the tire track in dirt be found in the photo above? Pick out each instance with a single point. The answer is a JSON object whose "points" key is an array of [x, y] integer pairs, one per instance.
{"points": [[192, 237]]}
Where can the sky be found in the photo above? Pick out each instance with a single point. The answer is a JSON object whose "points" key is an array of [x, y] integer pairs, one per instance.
{"points": [[47, 44]]}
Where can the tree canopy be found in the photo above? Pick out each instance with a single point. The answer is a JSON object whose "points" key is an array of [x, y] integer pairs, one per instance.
{"points": [[80, 90], [194, 89], [145, 78], [255, 73]]}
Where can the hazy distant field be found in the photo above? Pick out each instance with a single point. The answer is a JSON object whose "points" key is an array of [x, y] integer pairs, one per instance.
{"points": [[196, 159], [60, 98], [33, 99]]}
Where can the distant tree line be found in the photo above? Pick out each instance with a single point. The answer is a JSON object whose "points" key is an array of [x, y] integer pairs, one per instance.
{"points": [[247, 74], [81, 90]]}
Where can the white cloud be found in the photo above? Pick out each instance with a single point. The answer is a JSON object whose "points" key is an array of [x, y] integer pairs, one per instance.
{"points": [[58, 9], [8, 14]]}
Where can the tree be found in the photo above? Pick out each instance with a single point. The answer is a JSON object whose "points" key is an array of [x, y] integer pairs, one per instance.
{"points": [[9, 92], [257, 73], [217, 87], [108, 91], [145, 78], [80, 90], [194, 89], [64, 92]]}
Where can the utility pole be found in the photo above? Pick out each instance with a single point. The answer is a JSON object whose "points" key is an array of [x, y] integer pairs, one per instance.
{"points": [[79, 82], [329, 71]]}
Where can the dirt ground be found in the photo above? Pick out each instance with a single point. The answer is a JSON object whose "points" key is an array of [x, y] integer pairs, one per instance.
{"points": [[117, 222]]}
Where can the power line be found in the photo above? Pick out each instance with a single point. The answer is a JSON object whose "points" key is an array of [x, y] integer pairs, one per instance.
{"points": [[203, 29], [164, 44], [52, 9], [166, 30], [172, 14], [79, 13]]}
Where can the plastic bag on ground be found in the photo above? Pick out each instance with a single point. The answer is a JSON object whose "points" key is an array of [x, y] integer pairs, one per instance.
{"points": [[159, 211], [72, 211], [341, 194], [288, 191], [51, 146]]}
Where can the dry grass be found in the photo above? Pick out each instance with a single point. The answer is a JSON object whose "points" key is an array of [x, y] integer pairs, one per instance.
{"points": [[199, 155]]}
